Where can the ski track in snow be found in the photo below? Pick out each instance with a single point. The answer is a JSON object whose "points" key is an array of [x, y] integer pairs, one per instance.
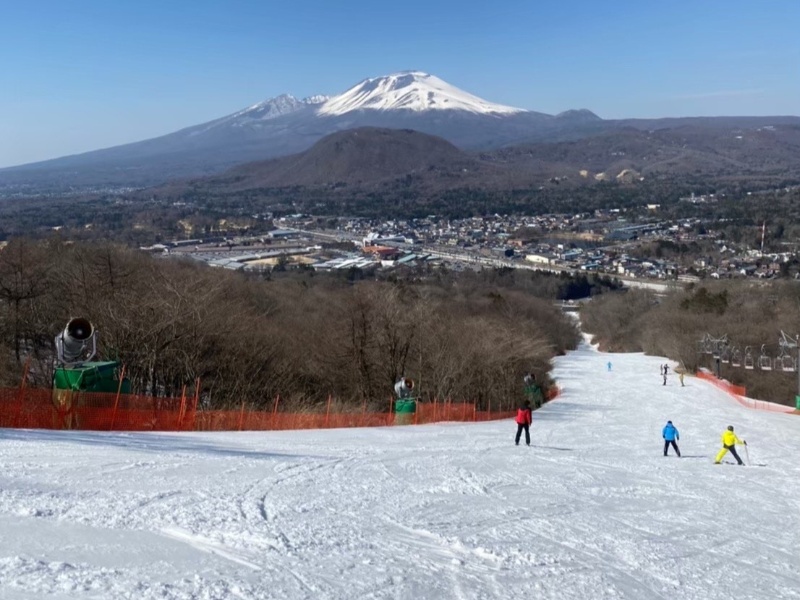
{"points": [[591, 510]]}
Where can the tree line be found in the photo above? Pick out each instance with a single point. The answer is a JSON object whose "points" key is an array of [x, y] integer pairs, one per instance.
{"points": [[749, 314], [300, 335]]}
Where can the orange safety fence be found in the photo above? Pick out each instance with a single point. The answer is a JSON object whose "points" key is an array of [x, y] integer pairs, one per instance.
{"points": [[739, 393], [552, 394], [725, 386], [61, 409]]}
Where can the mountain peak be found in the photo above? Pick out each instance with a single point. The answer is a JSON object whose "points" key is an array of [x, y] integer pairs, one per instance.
{"points": [[415, 91], [273, 108], [583, 115]]}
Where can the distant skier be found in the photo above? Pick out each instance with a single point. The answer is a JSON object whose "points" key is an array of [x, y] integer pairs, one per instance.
{"points": [[524, 418], [609, 365], [729, 441], [670, 435], [664, 374], [680, 376]]}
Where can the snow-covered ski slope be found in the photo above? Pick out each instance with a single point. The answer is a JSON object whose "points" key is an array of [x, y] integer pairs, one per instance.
{"points": [[593, 510]]}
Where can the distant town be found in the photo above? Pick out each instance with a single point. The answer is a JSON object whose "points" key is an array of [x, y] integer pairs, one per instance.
{"points": [[603, 242]]}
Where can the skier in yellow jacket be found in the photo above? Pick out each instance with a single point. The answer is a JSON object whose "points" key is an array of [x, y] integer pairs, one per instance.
{"points": [[729, 441]]}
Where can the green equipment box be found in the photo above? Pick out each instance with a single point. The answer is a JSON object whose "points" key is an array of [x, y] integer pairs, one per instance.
{"points": [[91, 377]]}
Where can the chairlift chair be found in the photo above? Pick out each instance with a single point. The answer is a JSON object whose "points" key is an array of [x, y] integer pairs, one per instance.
{"points": [[749, 361], [725, 355], [785, 361], [788, 363], [736, 358], [764, 361]]}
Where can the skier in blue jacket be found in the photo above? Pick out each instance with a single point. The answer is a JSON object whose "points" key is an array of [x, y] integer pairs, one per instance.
{"points": [[670, 435]]}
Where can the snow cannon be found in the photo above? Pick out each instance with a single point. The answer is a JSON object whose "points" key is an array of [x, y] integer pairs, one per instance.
{"points": [[533, 391], [75, 370], [73, 342], [403, 388], [405, 405], [77, 375]]}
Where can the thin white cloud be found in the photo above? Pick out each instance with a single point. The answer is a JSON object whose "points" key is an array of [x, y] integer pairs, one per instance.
{"points": [[719, 94]]}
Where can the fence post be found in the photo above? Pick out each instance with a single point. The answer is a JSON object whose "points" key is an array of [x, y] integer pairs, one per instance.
{"points": [[490, 409], [434, 409], [389, 420], [116, 400], [275, 412], [22, 390], [196, 400], [241, 416], [328, 411], [464, 416], [182, 411]]}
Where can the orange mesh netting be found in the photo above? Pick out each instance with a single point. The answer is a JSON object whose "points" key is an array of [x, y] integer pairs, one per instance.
{"points": [[63, 409], [739, 394]]}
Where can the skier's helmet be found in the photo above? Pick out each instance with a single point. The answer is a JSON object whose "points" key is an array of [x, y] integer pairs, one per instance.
{"points": [[730, 427]]}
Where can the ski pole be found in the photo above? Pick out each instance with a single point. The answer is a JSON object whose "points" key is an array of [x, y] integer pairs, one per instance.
{"points": [[747, 454]]}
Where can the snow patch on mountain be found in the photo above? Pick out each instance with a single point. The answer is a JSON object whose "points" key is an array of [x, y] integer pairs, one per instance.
{"points": [[272, 108], [316, 99], [266, 110], [413, 91]]}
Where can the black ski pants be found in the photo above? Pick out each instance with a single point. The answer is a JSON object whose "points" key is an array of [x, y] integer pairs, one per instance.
{"points": [[732, 450], [527, 428], [674, 445]]}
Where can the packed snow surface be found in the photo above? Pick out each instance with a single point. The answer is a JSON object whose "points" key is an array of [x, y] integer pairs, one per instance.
{"points": [[409, 90], [592, 510]]}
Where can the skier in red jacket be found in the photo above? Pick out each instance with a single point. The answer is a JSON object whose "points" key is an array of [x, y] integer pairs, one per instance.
{"points": [[524, 422]]}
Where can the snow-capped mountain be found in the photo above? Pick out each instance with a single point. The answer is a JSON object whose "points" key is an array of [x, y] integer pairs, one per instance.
{"points": [[405, 91], [286, 125], [410, 90]]}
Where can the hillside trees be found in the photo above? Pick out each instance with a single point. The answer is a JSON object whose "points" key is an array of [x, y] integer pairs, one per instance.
{"points": [[302, 336], [24, 272], [749, 314]]}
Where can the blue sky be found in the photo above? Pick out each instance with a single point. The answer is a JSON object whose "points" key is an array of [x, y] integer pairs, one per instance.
{"points": [[86, 74]]}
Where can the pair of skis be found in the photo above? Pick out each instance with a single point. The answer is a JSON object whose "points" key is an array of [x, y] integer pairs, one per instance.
{"points": [[748, 462]]}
